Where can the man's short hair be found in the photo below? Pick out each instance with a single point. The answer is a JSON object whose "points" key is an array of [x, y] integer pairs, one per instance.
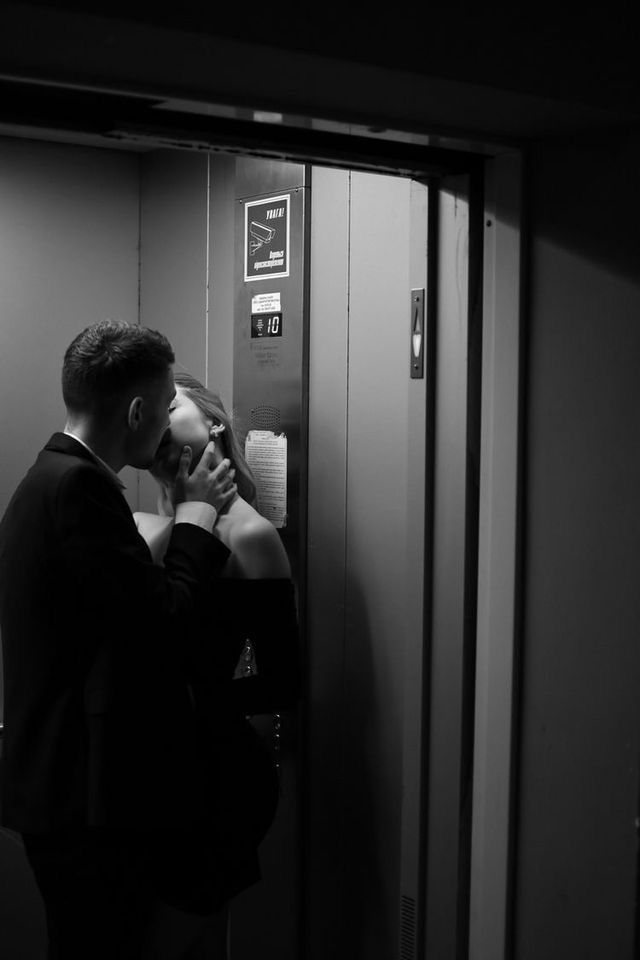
{"points": [[109, 358]]}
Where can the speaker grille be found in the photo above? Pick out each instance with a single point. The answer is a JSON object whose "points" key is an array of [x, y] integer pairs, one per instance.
{"points": [[264, 417], [407, 928]]}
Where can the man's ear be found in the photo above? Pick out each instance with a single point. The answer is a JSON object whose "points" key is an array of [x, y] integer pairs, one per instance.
{"points": [[134, 413]]}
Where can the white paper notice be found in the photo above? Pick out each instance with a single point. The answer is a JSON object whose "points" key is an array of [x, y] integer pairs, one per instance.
{"points": [[266, 454], [266, 303]]}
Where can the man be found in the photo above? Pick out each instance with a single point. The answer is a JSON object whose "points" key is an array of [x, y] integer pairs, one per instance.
{"points": [[99, 747]]}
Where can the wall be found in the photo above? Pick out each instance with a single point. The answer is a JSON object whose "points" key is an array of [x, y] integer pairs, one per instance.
{"points": [[577, 840], [186, 267], [173, 264], [88, 234], [69, 241], [69, 257]]}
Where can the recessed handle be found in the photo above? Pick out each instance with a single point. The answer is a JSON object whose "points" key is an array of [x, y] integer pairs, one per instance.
{"points": [[417, 334]]}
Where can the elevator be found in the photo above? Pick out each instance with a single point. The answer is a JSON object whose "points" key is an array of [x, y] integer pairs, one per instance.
{"points": [[377, 501]]}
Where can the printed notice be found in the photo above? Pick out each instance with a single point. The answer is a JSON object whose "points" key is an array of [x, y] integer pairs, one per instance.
{"points": [[266, 454], [266, 303], [266, 238]]}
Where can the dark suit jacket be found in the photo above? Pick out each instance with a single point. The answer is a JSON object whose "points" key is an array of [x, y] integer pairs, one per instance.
{"points": [[99, 726]]}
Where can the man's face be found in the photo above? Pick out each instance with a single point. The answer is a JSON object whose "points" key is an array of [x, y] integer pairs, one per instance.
{"points": [[157, 398], [188, 426]]}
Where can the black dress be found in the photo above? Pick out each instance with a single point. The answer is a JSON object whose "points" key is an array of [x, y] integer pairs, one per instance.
{"points": [[213, 859]]}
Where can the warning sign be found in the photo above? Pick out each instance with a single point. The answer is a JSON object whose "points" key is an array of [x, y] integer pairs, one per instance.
{"points": [[266, 238]]}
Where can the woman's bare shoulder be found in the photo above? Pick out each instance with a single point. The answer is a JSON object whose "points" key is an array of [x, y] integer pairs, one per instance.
{"points": [[259, 549]]}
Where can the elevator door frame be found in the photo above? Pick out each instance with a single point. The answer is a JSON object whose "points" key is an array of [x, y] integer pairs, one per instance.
{"points": [[499, 565], [499, 506]]}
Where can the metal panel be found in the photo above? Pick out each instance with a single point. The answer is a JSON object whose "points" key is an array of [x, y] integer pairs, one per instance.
{"points": [[270, 372], [418, 500], [365, 559], [270, 392], [222, 172], [447, 701], [261, 176], [69, 239], [378, 582], [173, 264], [326, 897], [69, 227], [496, 637], [376, 550]]}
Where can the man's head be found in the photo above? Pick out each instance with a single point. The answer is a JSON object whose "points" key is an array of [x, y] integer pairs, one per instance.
{"points": [[118, 378]]}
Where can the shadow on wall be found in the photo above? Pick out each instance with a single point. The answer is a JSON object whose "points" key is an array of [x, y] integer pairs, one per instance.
{"points": [[578, 790], [585, 198], [368, 840], [23, 932], [22, 921]]}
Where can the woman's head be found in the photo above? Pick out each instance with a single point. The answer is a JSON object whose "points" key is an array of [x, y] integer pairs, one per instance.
{"points": [[196, 416]]}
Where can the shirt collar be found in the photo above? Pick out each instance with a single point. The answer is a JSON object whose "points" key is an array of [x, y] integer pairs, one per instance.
{"points": [[99, 460]]}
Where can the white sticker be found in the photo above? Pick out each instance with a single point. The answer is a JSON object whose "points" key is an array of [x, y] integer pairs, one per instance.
{"points": [[266, 303], [266, 454]]}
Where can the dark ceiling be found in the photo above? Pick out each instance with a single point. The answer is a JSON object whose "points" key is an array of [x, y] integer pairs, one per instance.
{"points": [[588, 55], [449, 77]]}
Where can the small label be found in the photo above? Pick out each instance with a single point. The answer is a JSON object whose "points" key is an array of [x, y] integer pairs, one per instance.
{"points": [[266, 303]]}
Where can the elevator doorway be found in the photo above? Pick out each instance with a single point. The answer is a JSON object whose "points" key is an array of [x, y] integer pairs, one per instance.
{"points": [[357, 832]]}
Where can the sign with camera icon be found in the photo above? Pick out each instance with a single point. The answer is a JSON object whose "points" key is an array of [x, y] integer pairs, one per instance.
{"points": [[266, 238]]}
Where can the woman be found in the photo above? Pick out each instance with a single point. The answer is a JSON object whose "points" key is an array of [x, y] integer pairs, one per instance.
{"points": [[197, 416], [243, 658]]}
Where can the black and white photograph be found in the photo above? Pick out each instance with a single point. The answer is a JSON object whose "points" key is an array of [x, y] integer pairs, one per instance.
{"points": [[319, 481]]}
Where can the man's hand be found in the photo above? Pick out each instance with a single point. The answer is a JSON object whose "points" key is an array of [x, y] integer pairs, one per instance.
{"points": [[208, 482]]}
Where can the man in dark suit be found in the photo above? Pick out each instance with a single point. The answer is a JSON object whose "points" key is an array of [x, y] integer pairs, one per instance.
{"points": [[99, 750]]}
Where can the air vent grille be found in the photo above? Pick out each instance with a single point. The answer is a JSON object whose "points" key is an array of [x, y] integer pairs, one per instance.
{"points": [[407, 928], [265, 417]]}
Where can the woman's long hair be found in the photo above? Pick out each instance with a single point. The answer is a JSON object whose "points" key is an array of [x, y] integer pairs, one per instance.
{"points": [[212, 408]]}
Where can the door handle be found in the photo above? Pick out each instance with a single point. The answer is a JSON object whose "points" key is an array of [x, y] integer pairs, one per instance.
{"points": [[417, 334]]}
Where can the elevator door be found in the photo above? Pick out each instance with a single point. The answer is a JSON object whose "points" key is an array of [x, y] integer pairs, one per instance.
{"points": [[366, 548]]}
